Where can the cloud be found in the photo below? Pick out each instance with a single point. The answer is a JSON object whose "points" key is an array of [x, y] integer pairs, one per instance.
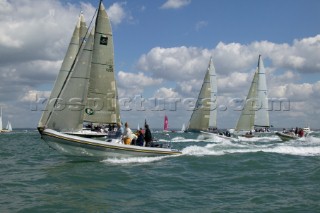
{"points": [[186, 63], [166, 93], [175, 4], [132, 84], [302, 56], [117, 13], [200, 25], [174, 63]]}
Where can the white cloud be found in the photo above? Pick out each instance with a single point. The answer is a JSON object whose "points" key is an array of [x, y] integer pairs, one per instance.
{"points": [[200, 25], [132, 84], [175, 63], [166, 93], [116, 13], [175, 4]]}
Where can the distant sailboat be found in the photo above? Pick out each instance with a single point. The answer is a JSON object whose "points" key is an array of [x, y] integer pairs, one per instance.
{"points": [[166, 124], [204, 116], [183, 129], [90, 94], [255, 113], [8, 127], [1, 119]]}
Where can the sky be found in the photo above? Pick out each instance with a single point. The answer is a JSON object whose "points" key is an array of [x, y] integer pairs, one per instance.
{"points": [[162, 50]]}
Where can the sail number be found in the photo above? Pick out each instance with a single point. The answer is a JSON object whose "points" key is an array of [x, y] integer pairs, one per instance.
{"points": [[109, 68]]}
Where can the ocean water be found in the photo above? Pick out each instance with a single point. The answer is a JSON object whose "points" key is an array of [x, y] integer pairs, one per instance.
{"points": [[213, 175]]}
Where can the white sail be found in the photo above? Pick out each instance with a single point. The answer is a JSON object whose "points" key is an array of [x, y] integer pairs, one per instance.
{"points": [[102, 105], [64, 70], [262, 113], [83, 29], [9, 127], [255, 112], [0, 119], [246, 119], [183, 128], [204, 115], [213, 95], [68, 115]]}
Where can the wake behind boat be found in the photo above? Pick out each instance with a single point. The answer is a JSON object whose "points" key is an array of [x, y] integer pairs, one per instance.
{"points": [[88, 92]]}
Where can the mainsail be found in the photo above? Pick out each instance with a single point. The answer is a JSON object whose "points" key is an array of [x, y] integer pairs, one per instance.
{"points": [[204, 116], [102, 105], [262, 112], [255, 111]]}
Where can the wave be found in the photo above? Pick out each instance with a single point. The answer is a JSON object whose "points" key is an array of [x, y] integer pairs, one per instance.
{"points": [[130, 160], [309, 147]]}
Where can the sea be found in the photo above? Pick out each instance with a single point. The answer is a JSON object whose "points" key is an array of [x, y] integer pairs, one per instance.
{"points": [[260, 174]]}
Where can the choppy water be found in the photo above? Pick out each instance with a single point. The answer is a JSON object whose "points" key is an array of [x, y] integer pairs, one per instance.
{"points": [[259, 175]]}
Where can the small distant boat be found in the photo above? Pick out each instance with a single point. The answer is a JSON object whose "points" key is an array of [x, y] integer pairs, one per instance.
{"points": [[255, 113], [215, 136], [166, 124], [8, 127], [183, 129], [287, 136], [307, 130]]}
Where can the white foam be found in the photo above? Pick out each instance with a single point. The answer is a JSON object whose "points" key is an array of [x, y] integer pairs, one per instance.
{"points": [[298, 147], [131, 160]]}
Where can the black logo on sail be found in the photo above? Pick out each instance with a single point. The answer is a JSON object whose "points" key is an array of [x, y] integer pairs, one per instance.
{"points": [[103, 40], [89, 111]]}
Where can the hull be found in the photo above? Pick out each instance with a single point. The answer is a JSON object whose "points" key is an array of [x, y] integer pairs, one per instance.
{"points": [[244, 134], [79, 146], [286, 137], [215, 136]]}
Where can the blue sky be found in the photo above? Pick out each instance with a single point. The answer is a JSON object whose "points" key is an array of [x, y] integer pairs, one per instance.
{"points": [[162, 49]]}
